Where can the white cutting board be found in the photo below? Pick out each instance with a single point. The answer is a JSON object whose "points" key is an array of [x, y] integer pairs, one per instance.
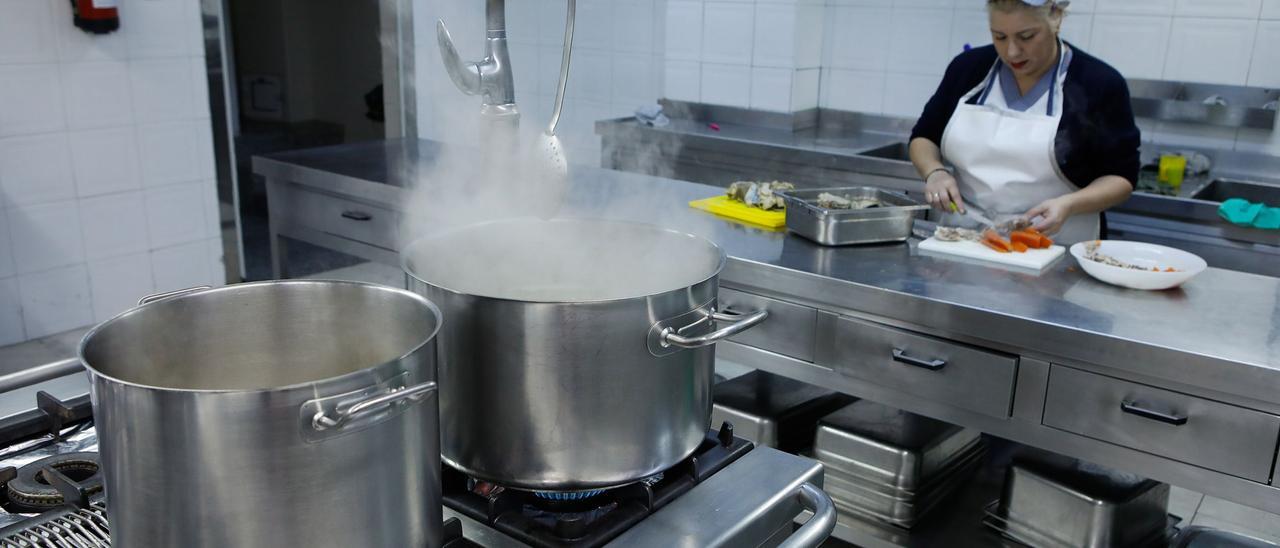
{"points": [[1035, 259]]}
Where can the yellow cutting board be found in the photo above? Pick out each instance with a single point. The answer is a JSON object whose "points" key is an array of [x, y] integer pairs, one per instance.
{"points": [[724, 206]]}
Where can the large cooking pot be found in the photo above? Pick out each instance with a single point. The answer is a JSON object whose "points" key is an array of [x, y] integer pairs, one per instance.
{"points": [[577, 353], [297, 413]]}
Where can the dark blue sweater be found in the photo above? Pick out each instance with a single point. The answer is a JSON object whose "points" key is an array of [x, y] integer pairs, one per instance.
{"points": [[1097, 135]]}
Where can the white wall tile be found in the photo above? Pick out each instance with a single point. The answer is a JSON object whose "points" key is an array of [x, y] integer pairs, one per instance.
{"points": [[859, 38], [193, 25], [775, 36], [175, 214], [45, 236], [11, 328], [527, 70], [75, 45], [728, 85], [551, 23], [34, 169], [55, 300], [1215, 51], [771, 89], [1136, 7], [635, 79], [805, 89], [154, 28], [1240, 9], [114, 225], [593, 26], [684, 30], [1078, 30], [217, 261], [853, 90], [523, 19], [1270, 9], [169, 152], [162, 90], [97, 94], [30, 99], [7, 268], [633, 26], [682, 80], [199, 88], [810, 31], [1265, 70], [594, 76], [117, 283], [27, 31], [1134, 45], [205, 143], [1083, 6], [181, 266], [549, 69], [972, 27], [1258, 141], [906, 94], [213, 208], [727, 32], [921, 41], [105, 161]]}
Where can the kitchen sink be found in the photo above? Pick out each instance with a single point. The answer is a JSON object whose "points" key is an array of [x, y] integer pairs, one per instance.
{"points": [[1220, 190], [891, 151]]}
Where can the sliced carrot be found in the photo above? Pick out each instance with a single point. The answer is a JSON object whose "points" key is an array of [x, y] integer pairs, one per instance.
{"points": [[1019, 246], [1025, 238], [1171, 269], [1045, 242], [992, 245]]}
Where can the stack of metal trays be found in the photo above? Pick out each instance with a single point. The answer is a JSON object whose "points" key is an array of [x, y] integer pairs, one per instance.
{"points": [[890, 465], [1055, 501], [1208, 537], [773, 411]]}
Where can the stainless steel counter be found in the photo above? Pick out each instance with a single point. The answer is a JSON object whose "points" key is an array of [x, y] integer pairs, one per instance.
{"points": [[1216, 340]]}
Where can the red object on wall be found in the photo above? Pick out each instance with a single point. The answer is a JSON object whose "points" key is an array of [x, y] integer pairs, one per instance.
{"points": [[96, 16]]}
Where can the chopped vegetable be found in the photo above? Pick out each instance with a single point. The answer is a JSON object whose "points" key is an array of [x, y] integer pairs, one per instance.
{"points": [[1026, 239], [998, 248], [1019, 247], [992, 239]]}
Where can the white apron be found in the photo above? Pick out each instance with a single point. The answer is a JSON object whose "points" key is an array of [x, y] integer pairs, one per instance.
{"points": [[1005, 160]]}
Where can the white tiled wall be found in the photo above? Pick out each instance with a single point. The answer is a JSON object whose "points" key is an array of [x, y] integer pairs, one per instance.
{"points": [[887, 56], [106, 164]]}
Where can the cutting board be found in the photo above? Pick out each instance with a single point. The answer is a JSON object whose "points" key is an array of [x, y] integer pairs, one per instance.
{"points": [[1034, 259], [723, 205]]}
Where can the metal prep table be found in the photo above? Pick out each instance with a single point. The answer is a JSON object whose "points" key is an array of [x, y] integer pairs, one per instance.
{"points": [[1043, 360]]}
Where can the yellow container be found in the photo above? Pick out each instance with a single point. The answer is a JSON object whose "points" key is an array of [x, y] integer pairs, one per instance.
{"points": [[1172, 169]]}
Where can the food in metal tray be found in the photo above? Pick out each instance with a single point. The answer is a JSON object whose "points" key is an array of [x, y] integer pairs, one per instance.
{"points": [[758, 194], [831, 201], [957, 234], [1091, 252]]}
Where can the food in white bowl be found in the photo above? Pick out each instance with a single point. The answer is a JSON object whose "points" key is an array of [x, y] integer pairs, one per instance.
{"points": [[1137, 265]]}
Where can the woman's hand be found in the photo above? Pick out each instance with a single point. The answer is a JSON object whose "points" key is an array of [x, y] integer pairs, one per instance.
{"points": [[1052, 213], [941, 190]]}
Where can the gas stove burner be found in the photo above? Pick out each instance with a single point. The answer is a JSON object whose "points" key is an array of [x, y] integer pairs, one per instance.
{"points": [[34, 490], [567, 495]]}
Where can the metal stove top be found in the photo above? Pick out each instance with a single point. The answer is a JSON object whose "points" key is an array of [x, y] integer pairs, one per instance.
{"points": [[728, 494]]}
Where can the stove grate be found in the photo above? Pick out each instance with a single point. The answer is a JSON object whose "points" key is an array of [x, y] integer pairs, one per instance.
{"points": [[85, 528]]}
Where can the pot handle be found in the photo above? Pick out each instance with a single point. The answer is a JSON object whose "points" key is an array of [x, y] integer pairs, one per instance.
{"points": [[820, 526], [162, 296], [741, 322], [325, 421]]}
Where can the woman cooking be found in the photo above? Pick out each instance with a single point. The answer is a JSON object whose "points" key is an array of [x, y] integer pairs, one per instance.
{"points": [[1033, 127]]}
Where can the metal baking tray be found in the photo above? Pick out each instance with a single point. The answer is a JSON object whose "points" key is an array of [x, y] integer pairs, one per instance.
{"points": [[1030, 536], [773, 411], [891, 447], [854, 499], [1074, 503], [1198, 536], [890, 222]]}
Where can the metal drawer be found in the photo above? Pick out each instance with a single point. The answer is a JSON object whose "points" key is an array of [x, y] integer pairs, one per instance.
{"points": [[922, 366], [330, 214], [1221, 437], [788, 331]]}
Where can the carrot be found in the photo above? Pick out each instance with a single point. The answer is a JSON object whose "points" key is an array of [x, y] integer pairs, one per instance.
{"points": [[1045, 242], [1019, 246], [1025, 238], [992, 245]]}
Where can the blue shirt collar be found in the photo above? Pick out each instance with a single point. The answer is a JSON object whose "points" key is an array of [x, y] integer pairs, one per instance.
{"points": [[1015, 98]]}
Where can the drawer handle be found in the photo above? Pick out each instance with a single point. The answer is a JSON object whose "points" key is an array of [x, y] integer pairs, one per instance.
{"points": [[356, 215], [932, 365], [1133, 408]]}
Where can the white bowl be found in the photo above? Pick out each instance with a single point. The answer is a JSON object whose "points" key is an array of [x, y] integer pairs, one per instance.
{"points": [[1187, 265]]}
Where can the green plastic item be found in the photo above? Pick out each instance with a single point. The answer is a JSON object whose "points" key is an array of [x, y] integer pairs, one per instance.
{"points": [[1241, 212]]}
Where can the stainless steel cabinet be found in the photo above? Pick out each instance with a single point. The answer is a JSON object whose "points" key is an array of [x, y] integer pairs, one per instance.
{"points": [[788, 331], [925, 367], [1222, 437]]}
